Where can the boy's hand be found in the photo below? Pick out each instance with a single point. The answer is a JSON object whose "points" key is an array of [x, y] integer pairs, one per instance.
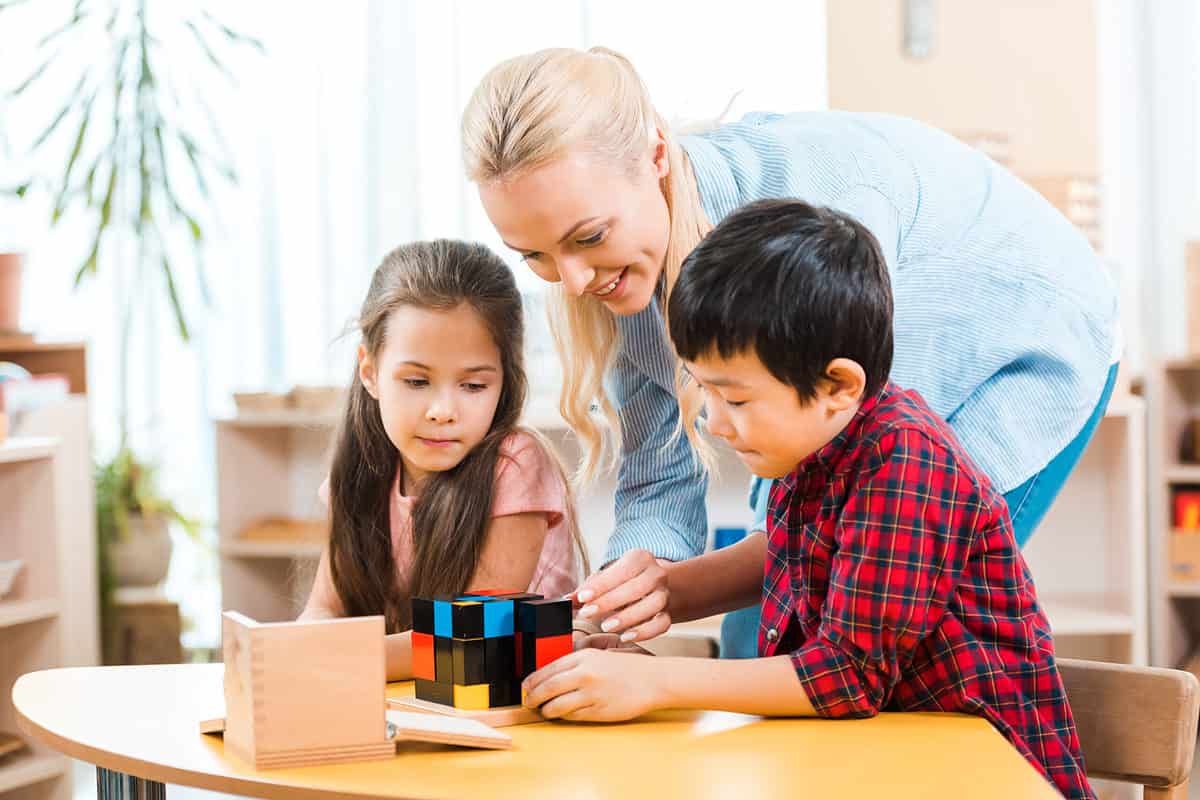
{"points": [[608, 641], [594, 686], [628, 597]]}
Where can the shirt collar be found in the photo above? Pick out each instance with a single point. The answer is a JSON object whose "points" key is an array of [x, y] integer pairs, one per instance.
{"points": [[827, 458]]}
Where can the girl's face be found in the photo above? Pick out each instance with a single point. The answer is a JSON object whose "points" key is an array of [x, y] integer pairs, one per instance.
{"points": [[437, 378], [588, 224]]}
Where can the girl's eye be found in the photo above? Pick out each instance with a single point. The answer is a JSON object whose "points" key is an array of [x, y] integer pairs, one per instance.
{"points": [[416, 383], [594, 239], [737, 404], [475, 387]]}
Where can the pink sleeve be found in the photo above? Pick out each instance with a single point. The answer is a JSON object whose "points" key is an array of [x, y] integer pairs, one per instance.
{"points": [[527, 481]]}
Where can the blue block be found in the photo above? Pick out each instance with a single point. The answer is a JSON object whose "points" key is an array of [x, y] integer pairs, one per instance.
{"points": [[443, 623], [498, 619]]}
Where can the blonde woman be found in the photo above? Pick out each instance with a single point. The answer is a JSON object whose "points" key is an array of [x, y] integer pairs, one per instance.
{"points": [[1005, 322]]}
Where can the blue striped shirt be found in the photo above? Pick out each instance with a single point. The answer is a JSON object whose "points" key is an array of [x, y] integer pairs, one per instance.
{"points": [[1004, 316]]}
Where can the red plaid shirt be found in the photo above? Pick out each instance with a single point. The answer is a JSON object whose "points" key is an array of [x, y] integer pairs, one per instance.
{"points": [[893, 579]]}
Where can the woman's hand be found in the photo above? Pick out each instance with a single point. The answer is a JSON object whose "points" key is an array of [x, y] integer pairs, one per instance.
{"points": [[594, 686], [628, 597]]}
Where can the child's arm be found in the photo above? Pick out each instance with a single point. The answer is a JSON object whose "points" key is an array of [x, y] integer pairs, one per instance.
{"points": [[605, 686], [511, 551], [323, 603]]}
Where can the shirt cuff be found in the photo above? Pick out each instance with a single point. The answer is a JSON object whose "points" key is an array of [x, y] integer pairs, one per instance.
{"points": [[648, 534], [833, 682]]}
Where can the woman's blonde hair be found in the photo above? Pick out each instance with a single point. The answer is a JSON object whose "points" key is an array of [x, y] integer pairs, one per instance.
{"points": [[529, 111]]}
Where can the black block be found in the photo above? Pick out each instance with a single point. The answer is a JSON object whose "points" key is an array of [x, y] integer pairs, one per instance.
{"points": [[505, 693], [467, 620], [435, 692], [500, 659], [422, 615], [468, 661], [443, 660], [528, 659], [544, 617]]}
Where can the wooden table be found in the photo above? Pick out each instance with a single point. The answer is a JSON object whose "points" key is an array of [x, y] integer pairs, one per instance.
{"points": [[139, 726]]}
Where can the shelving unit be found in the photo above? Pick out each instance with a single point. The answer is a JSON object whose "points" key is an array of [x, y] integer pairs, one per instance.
{"points": [[68, 422], [1174, 389], [30, 614], [1089, 555]]}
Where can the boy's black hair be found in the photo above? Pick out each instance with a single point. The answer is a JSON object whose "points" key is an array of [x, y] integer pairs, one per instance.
{"points": [[796, 285]]}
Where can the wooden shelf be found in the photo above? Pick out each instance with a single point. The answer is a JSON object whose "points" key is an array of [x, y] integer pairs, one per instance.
{"points": [[1084, 617], [19, 613], [23, 770], [1183, 473], [19, 449], [1124, 405], [272, 549], [282, 419], [1184, 589]]}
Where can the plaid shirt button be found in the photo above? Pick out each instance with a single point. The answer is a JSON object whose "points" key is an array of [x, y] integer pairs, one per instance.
{"points": [[772, 635]]}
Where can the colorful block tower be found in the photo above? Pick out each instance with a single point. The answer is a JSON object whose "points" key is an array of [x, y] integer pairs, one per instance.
{"points": [[473, 651]]}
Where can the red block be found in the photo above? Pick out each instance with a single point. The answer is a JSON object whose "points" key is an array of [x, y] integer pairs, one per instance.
{"points": [[422, 656], [552, 648]]}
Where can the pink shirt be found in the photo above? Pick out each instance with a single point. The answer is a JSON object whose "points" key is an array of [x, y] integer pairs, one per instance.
{"points": [[527, 482]]}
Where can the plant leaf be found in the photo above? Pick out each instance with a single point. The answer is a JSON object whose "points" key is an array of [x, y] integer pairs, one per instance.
{"points": [[89, 264], [169, 275], [45, 134], [60, 203], [76, 18], [33, 76], [208, 51], [233, 35]]}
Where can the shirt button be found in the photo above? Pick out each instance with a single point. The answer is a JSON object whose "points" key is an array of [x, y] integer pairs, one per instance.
{"points": [[772, 635]]}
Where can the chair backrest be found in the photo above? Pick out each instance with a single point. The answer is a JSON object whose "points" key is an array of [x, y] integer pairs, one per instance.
{"points": [[1135, 724]]}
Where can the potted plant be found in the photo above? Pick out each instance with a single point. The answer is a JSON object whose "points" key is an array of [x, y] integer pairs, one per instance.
{"points": [[129, 160], [131, 522]]}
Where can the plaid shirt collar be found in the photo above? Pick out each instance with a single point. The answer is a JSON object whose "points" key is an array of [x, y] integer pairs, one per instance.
{"points": [[827, 458]]}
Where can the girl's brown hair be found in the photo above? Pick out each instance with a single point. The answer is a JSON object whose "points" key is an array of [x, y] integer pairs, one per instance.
{"points": [[450, 517]]}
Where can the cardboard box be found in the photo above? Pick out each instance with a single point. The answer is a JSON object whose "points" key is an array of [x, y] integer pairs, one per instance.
{"points": [[1185, 555]]}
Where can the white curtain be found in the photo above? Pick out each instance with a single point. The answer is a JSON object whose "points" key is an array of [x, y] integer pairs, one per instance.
{"points": [[345, 137]]}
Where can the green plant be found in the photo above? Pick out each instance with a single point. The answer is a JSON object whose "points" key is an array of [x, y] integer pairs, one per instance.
{"points": [[140, 174], [125, 487]]}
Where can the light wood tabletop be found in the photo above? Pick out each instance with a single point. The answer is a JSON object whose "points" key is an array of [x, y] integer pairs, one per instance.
{"points": [[142, 721]]}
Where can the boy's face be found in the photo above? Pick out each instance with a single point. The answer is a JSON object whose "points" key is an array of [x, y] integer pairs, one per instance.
{"points": [[764, 420]]}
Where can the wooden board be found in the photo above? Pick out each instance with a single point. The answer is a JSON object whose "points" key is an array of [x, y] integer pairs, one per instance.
{"points": [[443, 729], [493, 717], [10, 744]]}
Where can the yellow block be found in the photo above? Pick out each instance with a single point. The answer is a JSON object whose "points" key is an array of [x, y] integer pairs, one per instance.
{"points": [[472, 698]]}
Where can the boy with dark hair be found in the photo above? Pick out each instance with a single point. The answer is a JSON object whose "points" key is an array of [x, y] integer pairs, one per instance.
{"points": [[892, 579]]}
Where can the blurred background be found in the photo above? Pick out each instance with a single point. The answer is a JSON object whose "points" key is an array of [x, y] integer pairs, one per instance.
{"points": [[194, 196]]}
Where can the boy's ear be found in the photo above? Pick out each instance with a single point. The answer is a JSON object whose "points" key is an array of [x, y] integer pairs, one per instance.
{"points": [[367, 372], [846, 382]]}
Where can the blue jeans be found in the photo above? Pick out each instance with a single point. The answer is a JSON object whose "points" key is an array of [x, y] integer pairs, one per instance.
{"points": [[1027, 505]]}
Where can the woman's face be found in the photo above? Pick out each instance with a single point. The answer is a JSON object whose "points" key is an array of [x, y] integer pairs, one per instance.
{"points": [[589, 224]]}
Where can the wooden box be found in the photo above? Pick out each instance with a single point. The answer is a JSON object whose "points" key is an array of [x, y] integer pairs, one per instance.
{"points": [[1185, 555], [301, 693]]}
